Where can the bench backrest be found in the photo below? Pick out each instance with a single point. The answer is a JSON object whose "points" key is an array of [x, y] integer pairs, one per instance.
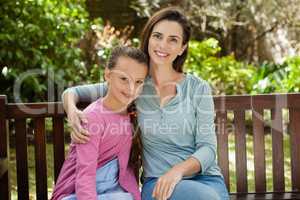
{"points": [[230, 117]]}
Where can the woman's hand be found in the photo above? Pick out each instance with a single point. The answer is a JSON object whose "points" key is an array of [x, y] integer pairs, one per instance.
{"points": [[75, 120], [165, 185]]}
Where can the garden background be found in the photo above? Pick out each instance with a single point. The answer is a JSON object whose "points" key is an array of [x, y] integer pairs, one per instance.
{"points": [[239, 47]]}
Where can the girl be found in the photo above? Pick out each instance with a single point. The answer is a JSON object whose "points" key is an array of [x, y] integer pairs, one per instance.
{"points": [[99, 168], [175, 114]]}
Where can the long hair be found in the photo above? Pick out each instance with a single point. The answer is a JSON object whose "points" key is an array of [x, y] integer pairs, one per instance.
{"points": [[135, 159]]}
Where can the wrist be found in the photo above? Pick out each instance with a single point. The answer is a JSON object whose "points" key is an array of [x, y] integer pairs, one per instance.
{"points": [[179, 170]]}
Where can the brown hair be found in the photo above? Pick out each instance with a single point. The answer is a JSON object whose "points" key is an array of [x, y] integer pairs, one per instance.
{"points": [[170, 14], [135, 159], [126, 51]]}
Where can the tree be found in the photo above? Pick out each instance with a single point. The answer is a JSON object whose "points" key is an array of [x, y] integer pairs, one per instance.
{"points": [[41, 36]]}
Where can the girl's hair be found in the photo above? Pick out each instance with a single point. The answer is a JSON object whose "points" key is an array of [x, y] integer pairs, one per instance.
{"points": [[135, 159], [129, 52], [170, 14], [141, 57]]}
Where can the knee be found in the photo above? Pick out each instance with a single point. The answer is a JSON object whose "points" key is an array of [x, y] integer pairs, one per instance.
{"points": [[194, 192]]}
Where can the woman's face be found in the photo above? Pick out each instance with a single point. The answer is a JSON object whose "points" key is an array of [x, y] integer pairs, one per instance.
{"points": [[165, 42]]}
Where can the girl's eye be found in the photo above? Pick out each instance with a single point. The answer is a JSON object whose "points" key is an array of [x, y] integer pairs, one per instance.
{"points": [[139, 82]]}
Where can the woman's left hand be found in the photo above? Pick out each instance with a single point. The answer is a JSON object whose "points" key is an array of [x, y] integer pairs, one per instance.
{"points": [[165, 184]]}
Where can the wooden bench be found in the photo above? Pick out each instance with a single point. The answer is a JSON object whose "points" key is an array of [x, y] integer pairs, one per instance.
{"points": [[229, 110]]}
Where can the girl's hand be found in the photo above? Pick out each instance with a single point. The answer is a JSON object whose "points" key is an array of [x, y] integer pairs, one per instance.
{"points": [[75, 119], [165, 185]]}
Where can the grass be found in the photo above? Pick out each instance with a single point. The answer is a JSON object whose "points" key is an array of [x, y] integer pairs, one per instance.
{"points": [[250, 163], [250, 166]]}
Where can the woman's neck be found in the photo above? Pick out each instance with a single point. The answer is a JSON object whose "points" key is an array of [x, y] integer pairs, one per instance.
{"points": [[163, 74]]}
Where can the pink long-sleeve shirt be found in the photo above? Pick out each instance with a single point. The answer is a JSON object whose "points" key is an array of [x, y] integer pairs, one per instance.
{"points": [[110, 137]]}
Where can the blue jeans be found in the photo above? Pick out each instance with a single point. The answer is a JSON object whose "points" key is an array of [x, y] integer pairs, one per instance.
{"points": [[107, 184], [200, 187]]}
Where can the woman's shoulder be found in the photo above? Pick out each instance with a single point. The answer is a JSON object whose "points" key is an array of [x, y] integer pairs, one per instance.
{"points": [[196, 83]]}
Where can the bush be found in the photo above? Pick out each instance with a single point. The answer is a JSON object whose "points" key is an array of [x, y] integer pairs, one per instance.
{"points": [[41, 35], [283, 77], [225, 74]]}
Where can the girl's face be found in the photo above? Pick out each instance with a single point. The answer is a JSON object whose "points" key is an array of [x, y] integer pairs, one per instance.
{"points": [[165, 42], [126, 79]]}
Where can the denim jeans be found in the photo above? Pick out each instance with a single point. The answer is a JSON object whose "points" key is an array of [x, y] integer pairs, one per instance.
{"points": [[107, 184], [200, 187]]}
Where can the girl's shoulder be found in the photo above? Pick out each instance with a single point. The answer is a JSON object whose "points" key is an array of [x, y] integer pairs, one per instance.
{"points": [[94, 109]]}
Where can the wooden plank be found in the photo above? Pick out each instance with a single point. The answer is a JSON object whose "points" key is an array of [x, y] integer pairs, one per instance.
{"points": [[4, 150], [222, 139], [40, 159], [259, 150], [22, 159], [295, 147], [240, 151], [32, 110], [277, 150], [266, 101], [266, 196], [58, 145]]}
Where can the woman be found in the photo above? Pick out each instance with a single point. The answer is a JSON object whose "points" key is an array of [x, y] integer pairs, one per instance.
{"points": [[175, 114]]}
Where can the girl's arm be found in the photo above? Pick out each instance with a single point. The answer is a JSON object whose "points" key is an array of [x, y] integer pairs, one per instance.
{"points": [[73, 95], [87, 159]]}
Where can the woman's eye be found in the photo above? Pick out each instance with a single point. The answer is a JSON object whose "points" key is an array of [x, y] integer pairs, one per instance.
{"points": [[174, 40], [156, 36]]}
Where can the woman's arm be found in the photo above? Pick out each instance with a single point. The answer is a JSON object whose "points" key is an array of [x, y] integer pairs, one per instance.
{"points": [[71, 97], [205, 140], [205, 136]]}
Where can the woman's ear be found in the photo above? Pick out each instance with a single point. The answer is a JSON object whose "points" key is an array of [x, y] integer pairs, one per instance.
{"points": [[107, 74]]}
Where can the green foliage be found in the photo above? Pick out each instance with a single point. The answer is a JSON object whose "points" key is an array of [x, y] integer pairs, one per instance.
{"points": [[284, 77], [41, 34], [225, 74]]}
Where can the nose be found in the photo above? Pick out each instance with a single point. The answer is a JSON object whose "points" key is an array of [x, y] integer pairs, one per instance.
{"points": [[162, 43], [130, 87]]}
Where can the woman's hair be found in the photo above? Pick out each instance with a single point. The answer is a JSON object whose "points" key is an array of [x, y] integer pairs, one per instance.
{"points": [[170, 14], [139, 56], [126, 51]]}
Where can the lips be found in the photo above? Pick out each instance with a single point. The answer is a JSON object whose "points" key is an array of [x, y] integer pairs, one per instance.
{"points": [[127, 95], [161, 54]]}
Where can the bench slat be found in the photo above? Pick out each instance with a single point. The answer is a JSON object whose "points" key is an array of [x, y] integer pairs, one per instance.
{"points": [[21, 159], [58, 144], [40, 159], [240, 149], [259, 150], [295, 148], [222, 139], [277, 150]]}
